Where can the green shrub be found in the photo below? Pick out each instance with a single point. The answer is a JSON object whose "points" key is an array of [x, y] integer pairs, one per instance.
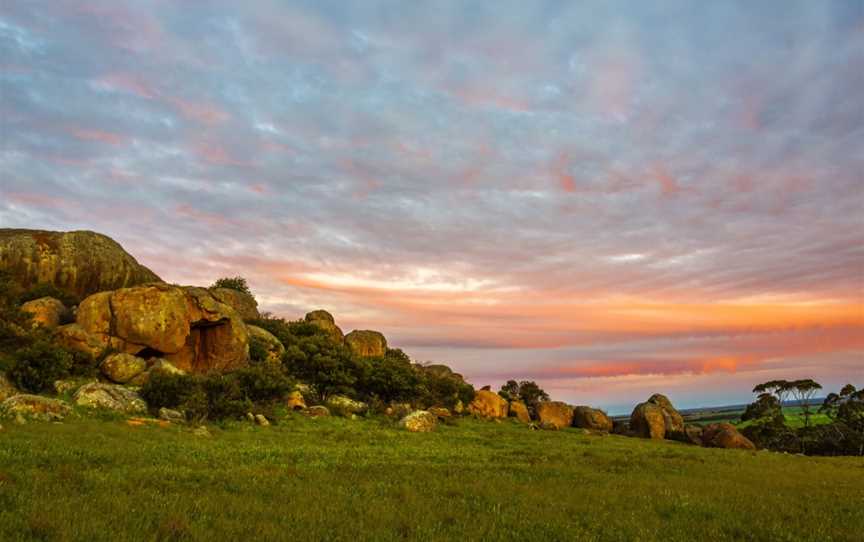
{"points": [[391, 378], [258, 349], [263, 383], [46, 289], [233, 283], [35, 368]]}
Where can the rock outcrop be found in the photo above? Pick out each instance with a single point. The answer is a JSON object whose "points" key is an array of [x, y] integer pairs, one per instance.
{"points": [[488, 404], [34, 407], [187, 326], [46, 312], [420, 421], [656, 418], [725, 435], [274, 346], [110, 397], [324, 320], [80, 263], [366, 343], [519, 411], [242, 303], [591, 418], [554, 413]]}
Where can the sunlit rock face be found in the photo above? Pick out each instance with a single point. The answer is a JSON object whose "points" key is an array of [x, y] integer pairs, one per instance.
{"points": [[79, 262], [367, 343], [187, 326], [325, 321], [243, 303]]}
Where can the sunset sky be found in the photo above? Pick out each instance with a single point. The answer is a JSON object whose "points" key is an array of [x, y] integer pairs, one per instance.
{"points": [[610, 198]]}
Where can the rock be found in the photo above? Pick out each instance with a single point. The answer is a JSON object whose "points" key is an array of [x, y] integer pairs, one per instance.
{"points": [[398, 410], [324, 320], [250, 417], [75, 337], [79, 262], [261, 420], [440, 412], [46, 312], [725, 435], [692, 434], [344, 406], [173, 416], [591, 418], [242, 303], [185, 325], [317, 411], [488, 404], [555, 413], [1, 426], [621, 427], [155, 366], [548, 425], [70, 385], [295, 400], [458, 408], [519, 411], [34, 407], [19, 419], [419, 421], [202, 431], [672, 419], [121, 368], [648, 421], [110, 397], [366, 343], [7, 389], [274, 346]]}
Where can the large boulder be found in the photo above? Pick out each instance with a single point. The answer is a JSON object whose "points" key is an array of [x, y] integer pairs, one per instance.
{"points": [[110, 397], [122, 368], [295, 400], [324, 320], [185, 325], [554, 414], [345, 406], [725, 435], [672, 419], [243, 304], [47, 312], [647, 421], [488, 404], [7, 389], [591, 418], [692, 434], [367, 343], [420, 421], [519, 411], [34, 407], [274, 346], [79, 262]]}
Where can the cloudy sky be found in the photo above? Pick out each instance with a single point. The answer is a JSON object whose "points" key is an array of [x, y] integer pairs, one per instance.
{"points": [[611, 198]]}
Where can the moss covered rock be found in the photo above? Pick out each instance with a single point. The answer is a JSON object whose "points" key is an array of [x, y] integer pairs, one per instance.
{"points": [[324, 320], [367, 343], [46, 312]]}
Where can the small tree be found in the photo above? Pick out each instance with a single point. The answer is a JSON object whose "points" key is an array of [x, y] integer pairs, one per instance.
{"points": [[233, 283], [846, 407], [765, 406], [526, 391], [804, 391], [778, 388]]}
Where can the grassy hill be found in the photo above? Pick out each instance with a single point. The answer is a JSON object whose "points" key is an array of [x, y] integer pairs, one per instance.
{"points": [[336, 479]]}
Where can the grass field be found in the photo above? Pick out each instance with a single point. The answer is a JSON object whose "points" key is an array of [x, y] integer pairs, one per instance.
{"points": [[336, 479], [794, 417]]}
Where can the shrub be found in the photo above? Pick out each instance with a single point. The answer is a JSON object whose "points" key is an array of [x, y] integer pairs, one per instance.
{"points": [[46, 289], [526, 391], [35, 368], [258, 350], [391, 378], [263, 383], [234, 283]]}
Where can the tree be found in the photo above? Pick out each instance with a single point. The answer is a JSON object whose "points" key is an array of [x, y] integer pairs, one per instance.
{"points": [[765, 406], [233, 283], [391, 378], [526, 391], [846, 407], [778, 388], [804, 391]]}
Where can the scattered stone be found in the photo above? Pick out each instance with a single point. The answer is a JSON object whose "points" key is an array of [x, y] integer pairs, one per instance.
{"points": [[173, 416], [201, 431], [547, 425], [156, 366], [317, 411], [692, 434], [555, 413], [519, 411], [139, 422], [488, 404], [367, 343], [110, 397], [47, 312], [345, 406], [242, 303], [295, 400], [420, 421], [725, 435], [121, 368], [7, 389], [261, 420], [250, 417], [274, 346], [440, 412], [324, 320], [591, 418], [34, 407]]}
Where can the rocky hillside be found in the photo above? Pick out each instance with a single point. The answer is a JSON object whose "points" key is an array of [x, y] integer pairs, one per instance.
{"points": [[78, 262]]}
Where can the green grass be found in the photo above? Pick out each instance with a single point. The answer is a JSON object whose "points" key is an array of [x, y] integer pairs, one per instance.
{"points": [[794, 417], [336, 479]]}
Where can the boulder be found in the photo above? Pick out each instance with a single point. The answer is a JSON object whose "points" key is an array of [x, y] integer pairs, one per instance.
{"points": [[345, 406], [110, 397], [79, 262], [295, 401], [187, 326], [274, 346], [555, 413], [725, 435], [440, 412], [170, 415], [46, 312], [317, 411], [672, 419], [34, 407], [70, 385], [121, 368], [488, 404], [367, 343], [692, 434], [75, 337], [243, 304], [202, 431], [591, 418], [154, 366], [420, 421], [648, 421], [519, 411], [7, 389], [261, 420], [621, 427], [324, 320], [398, 410]]}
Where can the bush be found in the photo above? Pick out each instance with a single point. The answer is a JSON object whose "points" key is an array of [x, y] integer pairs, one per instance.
{"points": [[391, 378], [46, 289], [258, 350], [35, 368], [233, 283]]}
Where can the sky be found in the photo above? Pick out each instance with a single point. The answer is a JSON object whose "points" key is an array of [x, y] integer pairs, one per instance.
{"points": [[610, 198]]}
